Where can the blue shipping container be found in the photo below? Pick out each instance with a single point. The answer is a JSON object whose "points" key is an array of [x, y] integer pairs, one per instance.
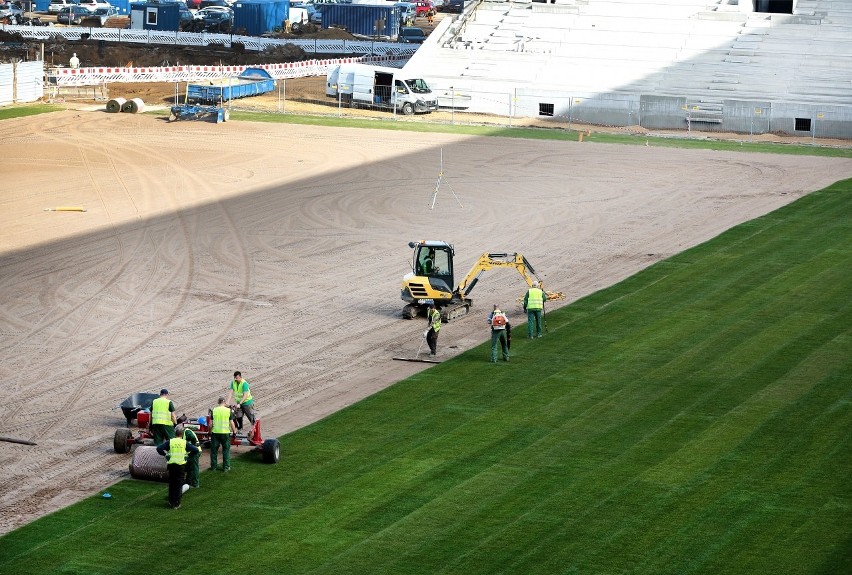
{"points": [[154, 16], [255, 17], [362, 19], [123, 6]]}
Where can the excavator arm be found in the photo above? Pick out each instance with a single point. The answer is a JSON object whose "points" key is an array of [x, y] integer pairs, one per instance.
{"points": [[488, 261]]}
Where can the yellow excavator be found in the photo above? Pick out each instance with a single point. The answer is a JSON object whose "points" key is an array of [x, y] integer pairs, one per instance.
{"points": [[431, 279]]}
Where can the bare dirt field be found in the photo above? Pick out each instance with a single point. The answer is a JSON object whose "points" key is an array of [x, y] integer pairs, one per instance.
{"points": [[278, 250]]}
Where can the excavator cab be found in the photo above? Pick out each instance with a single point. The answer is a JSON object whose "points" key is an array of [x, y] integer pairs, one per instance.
{"points": [[434, 261], [431, 277]]}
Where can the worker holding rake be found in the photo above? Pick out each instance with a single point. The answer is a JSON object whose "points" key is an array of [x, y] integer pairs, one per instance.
{"points": [[433, 316]]}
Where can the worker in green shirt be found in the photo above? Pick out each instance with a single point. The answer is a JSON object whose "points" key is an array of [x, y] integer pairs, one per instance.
{"points": [[239, 394]]}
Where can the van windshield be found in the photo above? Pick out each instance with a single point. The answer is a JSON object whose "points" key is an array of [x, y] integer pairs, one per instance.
{"points": [[418, 86]]}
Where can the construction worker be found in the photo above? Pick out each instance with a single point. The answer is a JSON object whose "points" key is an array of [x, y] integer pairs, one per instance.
{"points": [[427, 263], [498, 322], [192, 462], [176, 450], [240, 395], [220, 434], [163, 419], [534, 306], [433, 316]]}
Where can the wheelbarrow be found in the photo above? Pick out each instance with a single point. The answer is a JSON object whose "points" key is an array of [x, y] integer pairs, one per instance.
{"points": [[137, 402]]}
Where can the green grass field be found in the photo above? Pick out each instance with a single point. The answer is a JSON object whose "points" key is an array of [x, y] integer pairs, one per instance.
{"points": [[694, 418]]}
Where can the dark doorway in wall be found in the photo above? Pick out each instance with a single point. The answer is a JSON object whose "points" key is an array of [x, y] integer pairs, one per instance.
{"points": [[803, 125], [774, 6]]}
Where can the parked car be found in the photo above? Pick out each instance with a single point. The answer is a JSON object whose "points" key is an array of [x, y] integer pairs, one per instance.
{"points": [[411, 35], [72, 15], [201, 14], [455, 6], [424, 8], [92, 5], [215, 19], [104, 14], [213, 3], [407, 12], [193, 4], [56, 5], [11, 12], [185, 15]]}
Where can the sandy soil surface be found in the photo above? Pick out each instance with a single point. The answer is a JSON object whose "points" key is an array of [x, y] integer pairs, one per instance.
{"points": [[278, 250]]}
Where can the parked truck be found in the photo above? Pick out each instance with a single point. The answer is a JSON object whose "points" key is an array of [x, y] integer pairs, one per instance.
{"points": [[380, 87], [252, 82]]}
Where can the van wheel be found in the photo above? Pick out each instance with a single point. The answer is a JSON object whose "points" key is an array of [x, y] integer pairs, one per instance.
{"points": [[407, 109]]}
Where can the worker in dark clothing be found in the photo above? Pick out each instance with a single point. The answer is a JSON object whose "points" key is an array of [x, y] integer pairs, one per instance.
{"points": [[176, 450], [220, 434], [163, 419], [192, 461], [433, 316]]}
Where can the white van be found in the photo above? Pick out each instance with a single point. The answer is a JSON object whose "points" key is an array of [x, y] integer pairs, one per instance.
{"points": [[380, 87]]}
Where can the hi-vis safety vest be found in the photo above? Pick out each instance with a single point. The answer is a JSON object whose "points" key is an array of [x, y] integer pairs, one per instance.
{"points": [[237, 387], [435, 319], [221, 419], [160, 414], [177, 450], [535, 299], [498, 320]]}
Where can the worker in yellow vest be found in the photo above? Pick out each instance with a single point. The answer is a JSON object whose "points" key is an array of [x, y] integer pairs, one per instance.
{"points": [[534, 306], [433, 316], [163, 419], [176, 450], [220, 434], [239, 394]]}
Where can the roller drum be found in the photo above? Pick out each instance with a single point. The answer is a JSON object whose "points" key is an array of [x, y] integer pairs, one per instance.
{"points": [[148, 464]]}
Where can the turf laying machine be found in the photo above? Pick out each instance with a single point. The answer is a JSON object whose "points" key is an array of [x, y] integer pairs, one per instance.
{"points": [[148, 464]]}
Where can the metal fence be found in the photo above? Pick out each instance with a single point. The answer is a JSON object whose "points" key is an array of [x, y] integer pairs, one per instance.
{"points": [[254, 43], [548, 108]]}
